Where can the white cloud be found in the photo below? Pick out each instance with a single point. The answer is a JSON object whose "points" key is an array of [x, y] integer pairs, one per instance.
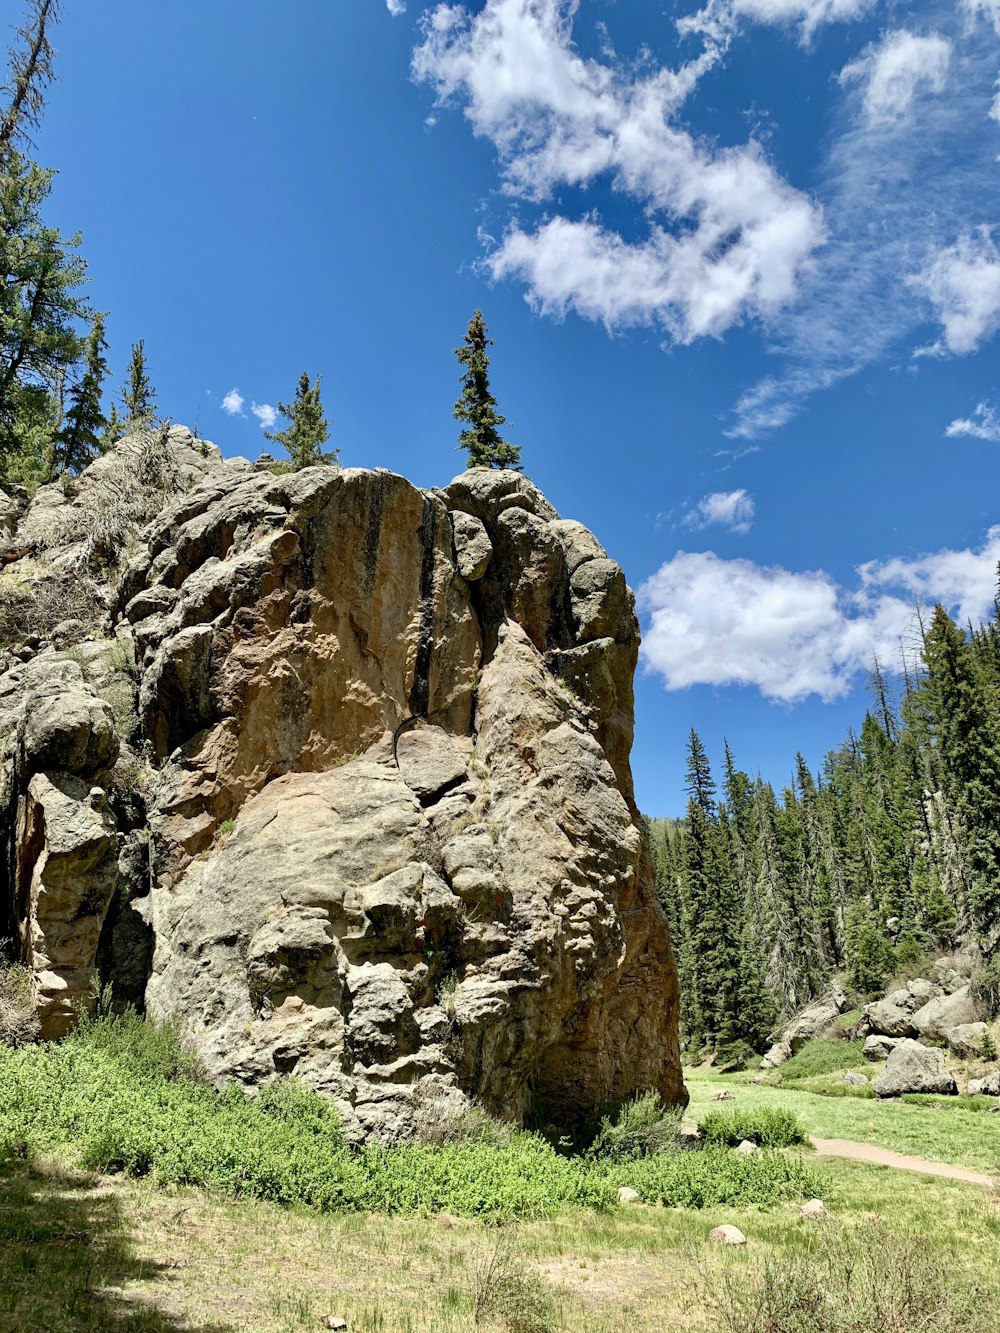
{"points": [[233, 402], [731, 509], [987, 9], [982, 425], [395, 7], [858, 306], [725, 237], [962, 282], [720, 16], [791, 635], [265, 414], [895, 69]]}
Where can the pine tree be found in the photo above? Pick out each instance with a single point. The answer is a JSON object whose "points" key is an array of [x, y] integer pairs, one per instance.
{"points": [[969, 741], [138, 397], [481, 438], [79, 440], [29, 75], [307, 430]]}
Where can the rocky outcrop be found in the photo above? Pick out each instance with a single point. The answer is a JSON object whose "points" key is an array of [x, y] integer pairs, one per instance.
{"points": [[386, 837], [912, 1067]]}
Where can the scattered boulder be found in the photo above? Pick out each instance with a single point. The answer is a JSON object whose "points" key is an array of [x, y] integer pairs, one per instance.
{"points": [[812, 1021], [912, 1067], [777, 1055], [966, 1040], [989, 1086], [745, 1148], [723, 1095], [627, 1195], [813, 1211], [855, 1080], [934, 1020], [890, 1017], [878, 1047], [727, 1234]]}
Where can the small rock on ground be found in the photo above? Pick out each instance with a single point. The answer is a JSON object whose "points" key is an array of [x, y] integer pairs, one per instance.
{"points": [[628, 1195], [728, 1235], [746, 1148], [331, 1321], [723, 1095], [813, 1210]]}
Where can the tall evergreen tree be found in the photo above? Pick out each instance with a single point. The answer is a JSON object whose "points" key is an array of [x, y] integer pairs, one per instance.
{"points": [[477, 406], [138, 397], [307, 431], [79, 440], [969, 741]]}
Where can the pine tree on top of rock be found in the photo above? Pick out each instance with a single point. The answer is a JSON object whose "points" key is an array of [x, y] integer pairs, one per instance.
{"points": [[137, 396], [307, 432], [481, 439]]}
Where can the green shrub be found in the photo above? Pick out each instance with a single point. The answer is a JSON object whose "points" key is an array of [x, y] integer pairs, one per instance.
{"points": [[768, 1127], [712, 1176], [643, 1127], [123, 1095]]}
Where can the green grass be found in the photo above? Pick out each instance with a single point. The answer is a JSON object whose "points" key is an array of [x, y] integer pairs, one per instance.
{"points": [[823, 1055], [965, 1139]]}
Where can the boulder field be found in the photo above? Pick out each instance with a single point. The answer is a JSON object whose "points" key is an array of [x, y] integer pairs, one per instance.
{"points": [[333, 772]]}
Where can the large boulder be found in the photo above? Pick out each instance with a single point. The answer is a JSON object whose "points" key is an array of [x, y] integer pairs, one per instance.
{"points": [[384, 834], [966, 1041], [988, 1086], [912, 1067], [812, 1021], [935, 1020]]}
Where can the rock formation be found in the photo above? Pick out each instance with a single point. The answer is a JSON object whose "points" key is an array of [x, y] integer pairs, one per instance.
{"points": [[352, 760]]}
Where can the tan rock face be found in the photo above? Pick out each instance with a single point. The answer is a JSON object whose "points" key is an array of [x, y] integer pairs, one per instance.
{"points": [[417, 708]]}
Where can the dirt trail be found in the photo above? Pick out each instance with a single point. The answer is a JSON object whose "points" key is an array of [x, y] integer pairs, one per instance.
{"points": [[868, 1152]]}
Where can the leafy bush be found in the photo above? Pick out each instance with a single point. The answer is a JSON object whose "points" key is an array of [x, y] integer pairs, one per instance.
{"points": [[714, 1176], [768, 1127], [123, 1095], [643, 1127], [18, 1019]]}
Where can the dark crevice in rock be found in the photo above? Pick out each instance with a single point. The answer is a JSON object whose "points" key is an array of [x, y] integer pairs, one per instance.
{"points": [[372, 538], [420, 690]]}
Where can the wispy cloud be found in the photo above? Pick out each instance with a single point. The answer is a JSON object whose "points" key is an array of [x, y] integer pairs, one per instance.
{"points": [[721, 17], [265, 414], [893, 71], [791, 634], [982, 425], [729, 509], [892, 264], [233, 402], [395, 7]]}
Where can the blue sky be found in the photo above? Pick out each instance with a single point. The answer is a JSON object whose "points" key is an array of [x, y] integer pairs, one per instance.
{"points": [[741, 261]]}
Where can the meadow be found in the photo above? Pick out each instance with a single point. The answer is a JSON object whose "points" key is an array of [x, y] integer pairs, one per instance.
{"points": [[132, 1197]]}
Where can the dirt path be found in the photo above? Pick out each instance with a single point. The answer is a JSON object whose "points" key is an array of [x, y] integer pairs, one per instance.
{"points": [[868, 1152]]}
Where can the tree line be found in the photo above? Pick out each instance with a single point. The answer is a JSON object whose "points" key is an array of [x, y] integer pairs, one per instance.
{"points": [[53, 365], [891, 851]]}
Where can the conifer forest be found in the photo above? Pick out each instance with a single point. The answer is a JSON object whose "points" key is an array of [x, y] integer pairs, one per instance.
{"points": [[890, 852]]}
